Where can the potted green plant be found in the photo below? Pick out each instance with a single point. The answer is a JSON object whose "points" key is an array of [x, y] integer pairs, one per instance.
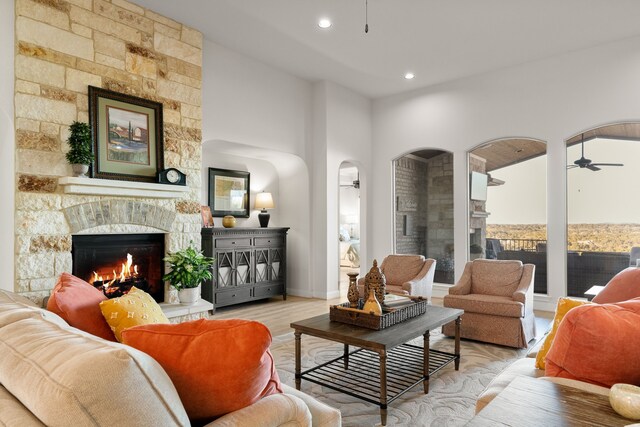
{"points": [[189, 268], [80, 155]]}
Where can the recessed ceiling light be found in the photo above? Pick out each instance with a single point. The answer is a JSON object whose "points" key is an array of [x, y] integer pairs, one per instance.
{"points": [[324, 23], [409, 76]]}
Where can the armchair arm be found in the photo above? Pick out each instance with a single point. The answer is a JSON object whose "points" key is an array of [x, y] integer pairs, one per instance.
{"points": [[463, 287], [524, 291], [422, 284], [274, 410]]}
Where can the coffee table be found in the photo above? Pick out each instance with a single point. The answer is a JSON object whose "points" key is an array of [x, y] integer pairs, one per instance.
{"points": [[530, 402], [398, 367]]}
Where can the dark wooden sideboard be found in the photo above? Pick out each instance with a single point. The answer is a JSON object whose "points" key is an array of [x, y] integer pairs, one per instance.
{"points": [[250, 264]]}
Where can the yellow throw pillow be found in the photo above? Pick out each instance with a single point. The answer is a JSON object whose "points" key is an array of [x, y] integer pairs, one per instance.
{"points": [[133, 309], [563, 307]]}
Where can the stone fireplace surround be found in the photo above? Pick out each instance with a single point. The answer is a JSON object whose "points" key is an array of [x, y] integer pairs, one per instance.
{"points": [[61, 48]]}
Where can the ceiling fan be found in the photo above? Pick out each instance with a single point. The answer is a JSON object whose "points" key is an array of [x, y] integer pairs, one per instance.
{"points": [[583, 162], [355, 184]]}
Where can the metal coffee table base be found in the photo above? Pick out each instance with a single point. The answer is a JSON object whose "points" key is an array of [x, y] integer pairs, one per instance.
{"points": [[379, 377]]}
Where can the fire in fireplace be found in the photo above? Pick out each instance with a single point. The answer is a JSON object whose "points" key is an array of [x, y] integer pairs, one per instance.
{"points": [[114, 263], [115, 284]]}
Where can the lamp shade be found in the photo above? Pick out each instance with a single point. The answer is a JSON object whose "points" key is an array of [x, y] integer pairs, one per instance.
{"points": [[264, 201]]}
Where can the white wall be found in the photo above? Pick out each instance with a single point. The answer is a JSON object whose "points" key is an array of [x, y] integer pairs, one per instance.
{"points": [[346, 136], [263, 177], [248, 102], [7, 146], [252, 115], [549, 100]]}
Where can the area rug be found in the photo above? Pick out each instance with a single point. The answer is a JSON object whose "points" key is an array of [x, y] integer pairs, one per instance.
{"points": [[452, 394]]}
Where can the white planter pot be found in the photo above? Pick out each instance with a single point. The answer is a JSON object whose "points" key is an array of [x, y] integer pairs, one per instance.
{"points": [[189, 296], [80, 170]]}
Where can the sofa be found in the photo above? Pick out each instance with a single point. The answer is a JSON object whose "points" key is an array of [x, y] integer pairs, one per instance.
{"points": [[527, 367], [56, 375]]}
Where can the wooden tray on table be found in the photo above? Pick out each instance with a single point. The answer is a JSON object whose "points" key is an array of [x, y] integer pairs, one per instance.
{"points": [[393, 312]]}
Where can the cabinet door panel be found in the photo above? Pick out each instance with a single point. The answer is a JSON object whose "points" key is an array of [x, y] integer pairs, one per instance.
{"points": [[262, 265], [275, 260], [243, 267], [224, 275]]}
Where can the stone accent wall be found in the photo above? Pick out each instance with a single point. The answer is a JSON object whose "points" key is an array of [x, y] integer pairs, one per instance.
{"points": [[411, 205], [477, 223], [62, 47], [440, 212]]}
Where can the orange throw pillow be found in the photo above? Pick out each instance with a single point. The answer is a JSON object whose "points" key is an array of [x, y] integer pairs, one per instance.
{"points": [[622, 287], [78, 303], [563, 307], [217, 366], [598, 344]]}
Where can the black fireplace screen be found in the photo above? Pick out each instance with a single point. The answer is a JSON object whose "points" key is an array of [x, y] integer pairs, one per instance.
{"points": [[115, 262]]}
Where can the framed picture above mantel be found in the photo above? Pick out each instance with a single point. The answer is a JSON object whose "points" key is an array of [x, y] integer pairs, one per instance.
{"points": [[127, 136], [229, 193]]}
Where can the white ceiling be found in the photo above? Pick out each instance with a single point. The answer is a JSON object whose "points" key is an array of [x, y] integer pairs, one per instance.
{"points": [[438, 40]]}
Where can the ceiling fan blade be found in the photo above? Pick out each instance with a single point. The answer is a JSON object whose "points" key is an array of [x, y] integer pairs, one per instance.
{"points": [[593, 167], [571, 166], [607, 164]]}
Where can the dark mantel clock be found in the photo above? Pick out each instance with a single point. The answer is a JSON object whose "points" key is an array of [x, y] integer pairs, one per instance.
{"points": [[172, 176]]}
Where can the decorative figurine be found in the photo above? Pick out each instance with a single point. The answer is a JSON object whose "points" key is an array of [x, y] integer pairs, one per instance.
{"points": [[352, 294], [375, 280], [372, 305]]}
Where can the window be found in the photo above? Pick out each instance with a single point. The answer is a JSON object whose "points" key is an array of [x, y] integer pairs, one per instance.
{"points": [[603, 232], [507, 217]]}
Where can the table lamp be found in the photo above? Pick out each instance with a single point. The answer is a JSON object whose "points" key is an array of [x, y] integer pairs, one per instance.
{"points": [[264, 201]]}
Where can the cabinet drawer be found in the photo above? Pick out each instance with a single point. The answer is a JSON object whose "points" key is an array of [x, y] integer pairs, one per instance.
{"points": [[269, 241], [233, 243], [268, 290], [233, 296]]}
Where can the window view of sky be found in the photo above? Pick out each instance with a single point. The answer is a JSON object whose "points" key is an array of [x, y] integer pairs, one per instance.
{"points": [[605, 196]]}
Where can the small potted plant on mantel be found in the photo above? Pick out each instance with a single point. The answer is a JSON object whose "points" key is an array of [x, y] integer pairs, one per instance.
{"points": [[80, 155], [189, 268]]}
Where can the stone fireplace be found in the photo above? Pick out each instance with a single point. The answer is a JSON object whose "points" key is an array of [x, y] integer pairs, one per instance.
{"points": [[61, 49]]}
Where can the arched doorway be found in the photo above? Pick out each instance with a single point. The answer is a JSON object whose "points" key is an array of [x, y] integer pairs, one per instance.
{"points": [[423, 214], [348, 222]]}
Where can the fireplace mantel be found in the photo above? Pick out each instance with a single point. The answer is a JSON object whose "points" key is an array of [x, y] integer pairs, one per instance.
{"points": [[112, 187]]}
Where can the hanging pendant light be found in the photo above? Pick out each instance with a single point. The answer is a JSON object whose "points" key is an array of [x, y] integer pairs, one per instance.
{"points": [[366, 16]]}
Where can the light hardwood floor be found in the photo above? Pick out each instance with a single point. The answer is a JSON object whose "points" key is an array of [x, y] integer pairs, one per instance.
{"points": [[277, 314]]}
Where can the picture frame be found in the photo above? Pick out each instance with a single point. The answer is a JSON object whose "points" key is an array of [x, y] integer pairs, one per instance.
{"points": [[207, 218], [127, 134], [229, 192]]}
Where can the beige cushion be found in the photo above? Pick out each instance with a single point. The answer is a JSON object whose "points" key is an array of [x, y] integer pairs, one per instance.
{"points": [[67, 377], [495, 277], [479, 303], [13, 413], [322, 415], [398, 269], [522, 367], [14, 308], [6, 296], [275, 410]]}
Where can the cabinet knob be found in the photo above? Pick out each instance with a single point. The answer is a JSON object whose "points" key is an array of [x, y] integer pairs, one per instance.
{"points": [[233, 295]]}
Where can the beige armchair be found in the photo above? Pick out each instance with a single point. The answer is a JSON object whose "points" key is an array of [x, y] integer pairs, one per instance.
{"points": [[497, 299], [406, 275]]}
